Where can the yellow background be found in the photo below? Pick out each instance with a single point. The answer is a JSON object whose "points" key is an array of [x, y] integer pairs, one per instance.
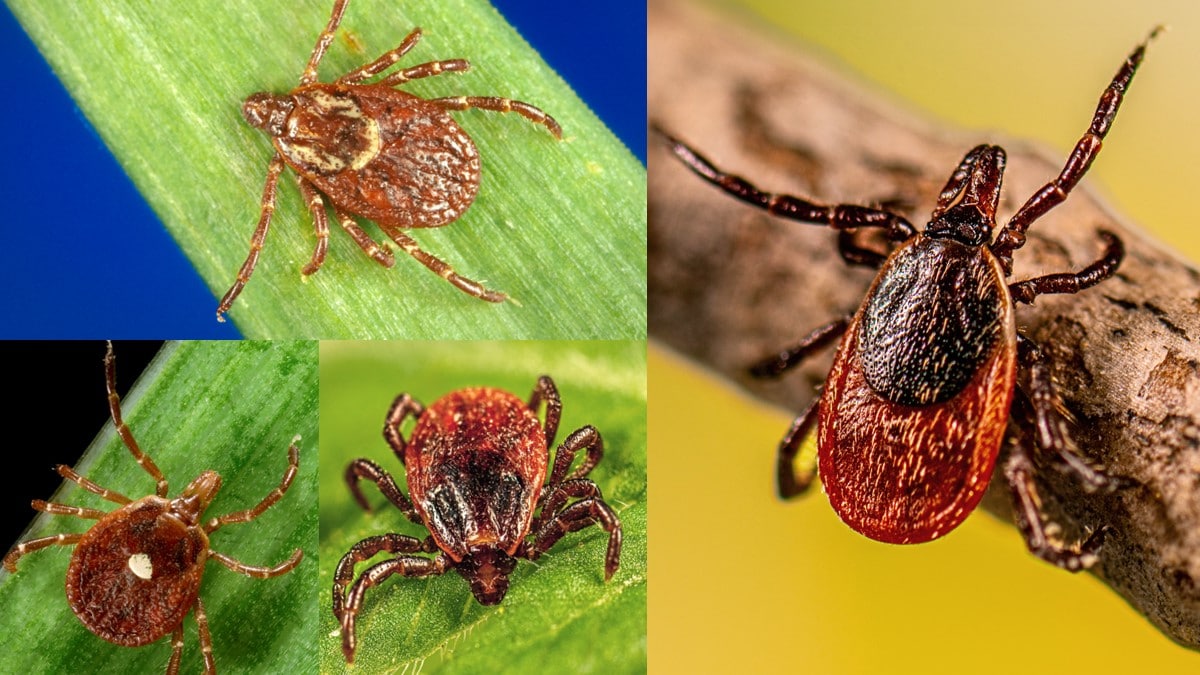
{"points": [[742, 582]]}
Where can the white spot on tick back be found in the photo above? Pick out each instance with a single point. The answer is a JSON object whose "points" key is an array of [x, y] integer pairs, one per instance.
{"points": [[139, 564]]}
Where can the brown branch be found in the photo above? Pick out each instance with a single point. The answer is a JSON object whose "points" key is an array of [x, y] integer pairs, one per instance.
{"points": [[730, 284]]}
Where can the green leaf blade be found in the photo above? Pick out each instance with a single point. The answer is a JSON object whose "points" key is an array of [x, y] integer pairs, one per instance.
{"points": [[560, 226]]}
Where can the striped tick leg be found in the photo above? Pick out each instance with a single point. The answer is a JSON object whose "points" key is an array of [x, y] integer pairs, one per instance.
{"points": [[442, 269], [257, 239], [316, 206], [114, 407], [496, 104], [250, 514], [10, 560], [378, 253]]}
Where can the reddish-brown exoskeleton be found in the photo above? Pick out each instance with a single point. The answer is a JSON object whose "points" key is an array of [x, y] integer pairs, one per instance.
{"points": [[475, 462], [931, 367], [136, 573], [376, 152]]}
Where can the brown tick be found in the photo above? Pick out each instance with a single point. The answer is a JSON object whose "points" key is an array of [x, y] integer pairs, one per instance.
{"points": [[475, 462], [375, 152], [136, 573], [912, 416]]}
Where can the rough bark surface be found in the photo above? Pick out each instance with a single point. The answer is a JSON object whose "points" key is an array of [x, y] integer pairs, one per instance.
{"points": [[730, 284]]}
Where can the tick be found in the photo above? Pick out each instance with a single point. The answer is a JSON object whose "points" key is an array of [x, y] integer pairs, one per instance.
{"points": [[931, 367], [475, 463], [136, 572], [376, 152]]}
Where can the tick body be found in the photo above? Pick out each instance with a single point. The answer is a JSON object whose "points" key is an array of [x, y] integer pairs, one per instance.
{"points": [[372, 151], [476, 464], [136, 573], [931, 367]]}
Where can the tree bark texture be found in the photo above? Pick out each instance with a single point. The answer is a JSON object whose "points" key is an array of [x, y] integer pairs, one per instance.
{"points": [[730, 284]]}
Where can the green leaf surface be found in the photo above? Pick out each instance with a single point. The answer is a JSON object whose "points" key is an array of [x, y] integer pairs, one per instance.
{"points": [[559, 614], [560, 226], [232, 407]]}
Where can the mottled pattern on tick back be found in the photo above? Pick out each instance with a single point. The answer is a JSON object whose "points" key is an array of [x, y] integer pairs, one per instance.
{"points": [[908, 474], [389, 156], [488, 456], [112, 598]]}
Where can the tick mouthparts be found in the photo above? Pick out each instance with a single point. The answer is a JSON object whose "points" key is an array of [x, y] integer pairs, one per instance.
{"points": [[196, 497], [267, 111]]}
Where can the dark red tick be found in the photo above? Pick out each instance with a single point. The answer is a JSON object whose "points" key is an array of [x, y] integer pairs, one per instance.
{"points": [[476, 462], [136, 573], [375, 152], [931, 367]]}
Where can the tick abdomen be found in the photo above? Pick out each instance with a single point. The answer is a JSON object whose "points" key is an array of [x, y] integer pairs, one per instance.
{"points": [[136, 573], [381, 153]]}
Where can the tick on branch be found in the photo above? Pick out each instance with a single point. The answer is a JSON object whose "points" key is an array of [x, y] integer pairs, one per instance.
{"points": [[136, 573], [475, 464], [931, 366], [376, 152]]}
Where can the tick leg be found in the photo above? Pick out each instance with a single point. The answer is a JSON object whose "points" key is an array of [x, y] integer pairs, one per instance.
{"points": [[210, 665], [367, 549], [1050, 429], [795, 471], [316, 206], [10, 560], [440, 268], [385, 60], [403, 407], [839, 217], [67, 510], [365, 468], [1073, 282], [789, 358], [256, 241], [426, 70], [1048, 436], [68, 473], [545, 390], [577, 488], [1052, 194], [114, 407], [590, 510], [496, 104], [273, 496], [406, 566], [378, 253], [176, 651], [323, 42], [1019, 473], [257, 571], [583, 438]]}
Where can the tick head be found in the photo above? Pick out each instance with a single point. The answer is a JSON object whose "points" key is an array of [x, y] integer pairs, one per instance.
{"points": [[487, 569], [966, 209], [267, 111], [196, 497]]}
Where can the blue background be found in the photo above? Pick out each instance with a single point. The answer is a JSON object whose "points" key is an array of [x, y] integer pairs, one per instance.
{"points": [[83, 255]]}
